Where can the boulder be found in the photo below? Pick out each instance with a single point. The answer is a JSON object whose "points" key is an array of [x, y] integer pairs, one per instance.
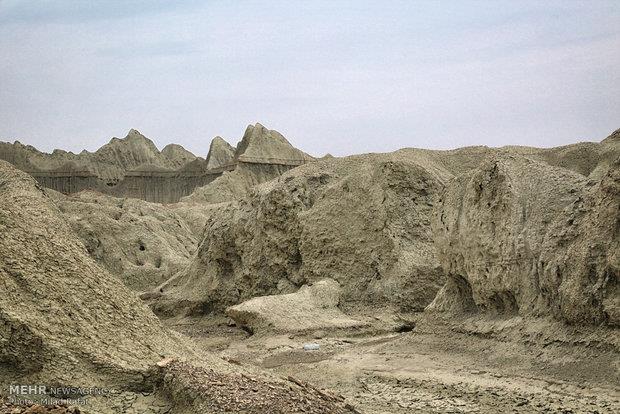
{"points": [[311, 308]]}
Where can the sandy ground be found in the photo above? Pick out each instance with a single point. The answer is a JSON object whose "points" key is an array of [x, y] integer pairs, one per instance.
{"points": [[434, 368]]}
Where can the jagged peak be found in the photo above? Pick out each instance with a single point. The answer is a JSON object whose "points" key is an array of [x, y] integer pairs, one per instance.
{"points": [[220, 153], [219, 142], [133, 138], [614, 136], [262, 145], [132, 135], [134, 132]]}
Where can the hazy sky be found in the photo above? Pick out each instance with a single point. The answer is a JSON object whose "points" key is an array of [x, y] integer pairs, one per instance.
{"points": [[333, 76]]}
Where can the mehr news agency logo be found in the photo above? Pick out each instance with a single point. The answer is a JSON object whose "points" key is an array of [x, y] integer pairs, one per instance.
{"points": [[46, 395]]}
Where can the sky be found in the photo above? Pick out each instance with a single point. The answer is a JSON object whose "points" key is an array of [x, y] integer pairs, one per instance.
{"points": [[339, 77]]}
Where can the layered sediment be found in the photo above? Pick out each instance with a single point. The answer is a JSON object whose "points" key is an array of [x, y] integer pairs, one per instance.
{"points": [[134, 167]]}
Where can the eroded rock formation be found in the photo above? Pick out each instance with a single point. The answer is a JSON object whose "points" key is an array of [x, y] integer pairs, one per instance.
{"points": [[140, 242], [134, 167], [363, 221], [260, 156], [520, 236], [66, 322], [62, 317]]}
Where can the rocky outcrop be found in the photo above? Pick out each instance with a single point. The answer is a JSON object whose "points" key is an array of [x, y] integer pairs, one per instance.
{"points": [[221, 154], [363, 221], [109, 163], [519, 236], [134, 167], [263, 146], [310, 308], [581, 256], [260, 156], [128, 167]]}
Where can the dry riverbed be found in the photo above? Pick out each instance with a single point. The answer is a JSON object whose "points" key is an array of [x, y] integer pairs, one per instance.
{"points": [[437, 366]]}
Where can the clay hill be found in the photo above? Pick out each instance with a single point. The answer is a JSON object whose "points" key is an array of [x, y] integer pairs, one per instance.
{"points": [[66, 322], [110, 162], [134, 167], [504, 229], [260, 156]]}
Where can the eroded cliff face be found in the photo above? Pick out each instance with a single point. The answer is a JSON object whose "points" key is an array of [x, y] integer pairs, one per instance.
{"points": [[260, 156], [134, 167], [127, 167], [109, 163], [519, 236], [363, 221], [581, 256]]}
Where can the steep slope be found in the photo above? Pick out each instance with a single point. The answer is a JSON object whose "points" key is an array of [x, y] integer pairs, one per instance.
{"points": [[519, 236], [260, 156], [581, 256], [62, 317], [221, 153]]}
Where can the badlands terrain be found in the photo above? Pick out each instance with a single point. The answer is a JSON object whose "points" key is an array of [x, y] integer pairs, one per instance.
{"points": [[259, 279]]}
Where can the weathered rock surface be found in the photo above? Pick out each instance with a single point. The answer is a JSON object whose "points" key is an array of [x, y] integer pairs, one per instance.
{"points": [[128, 167], [140, 242], [260, 156], [363, 221], [110, 162], [65, 321], [264, 146], [221, 154], [310, 308], [62, 317], [520, 236], [134, 167]]}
